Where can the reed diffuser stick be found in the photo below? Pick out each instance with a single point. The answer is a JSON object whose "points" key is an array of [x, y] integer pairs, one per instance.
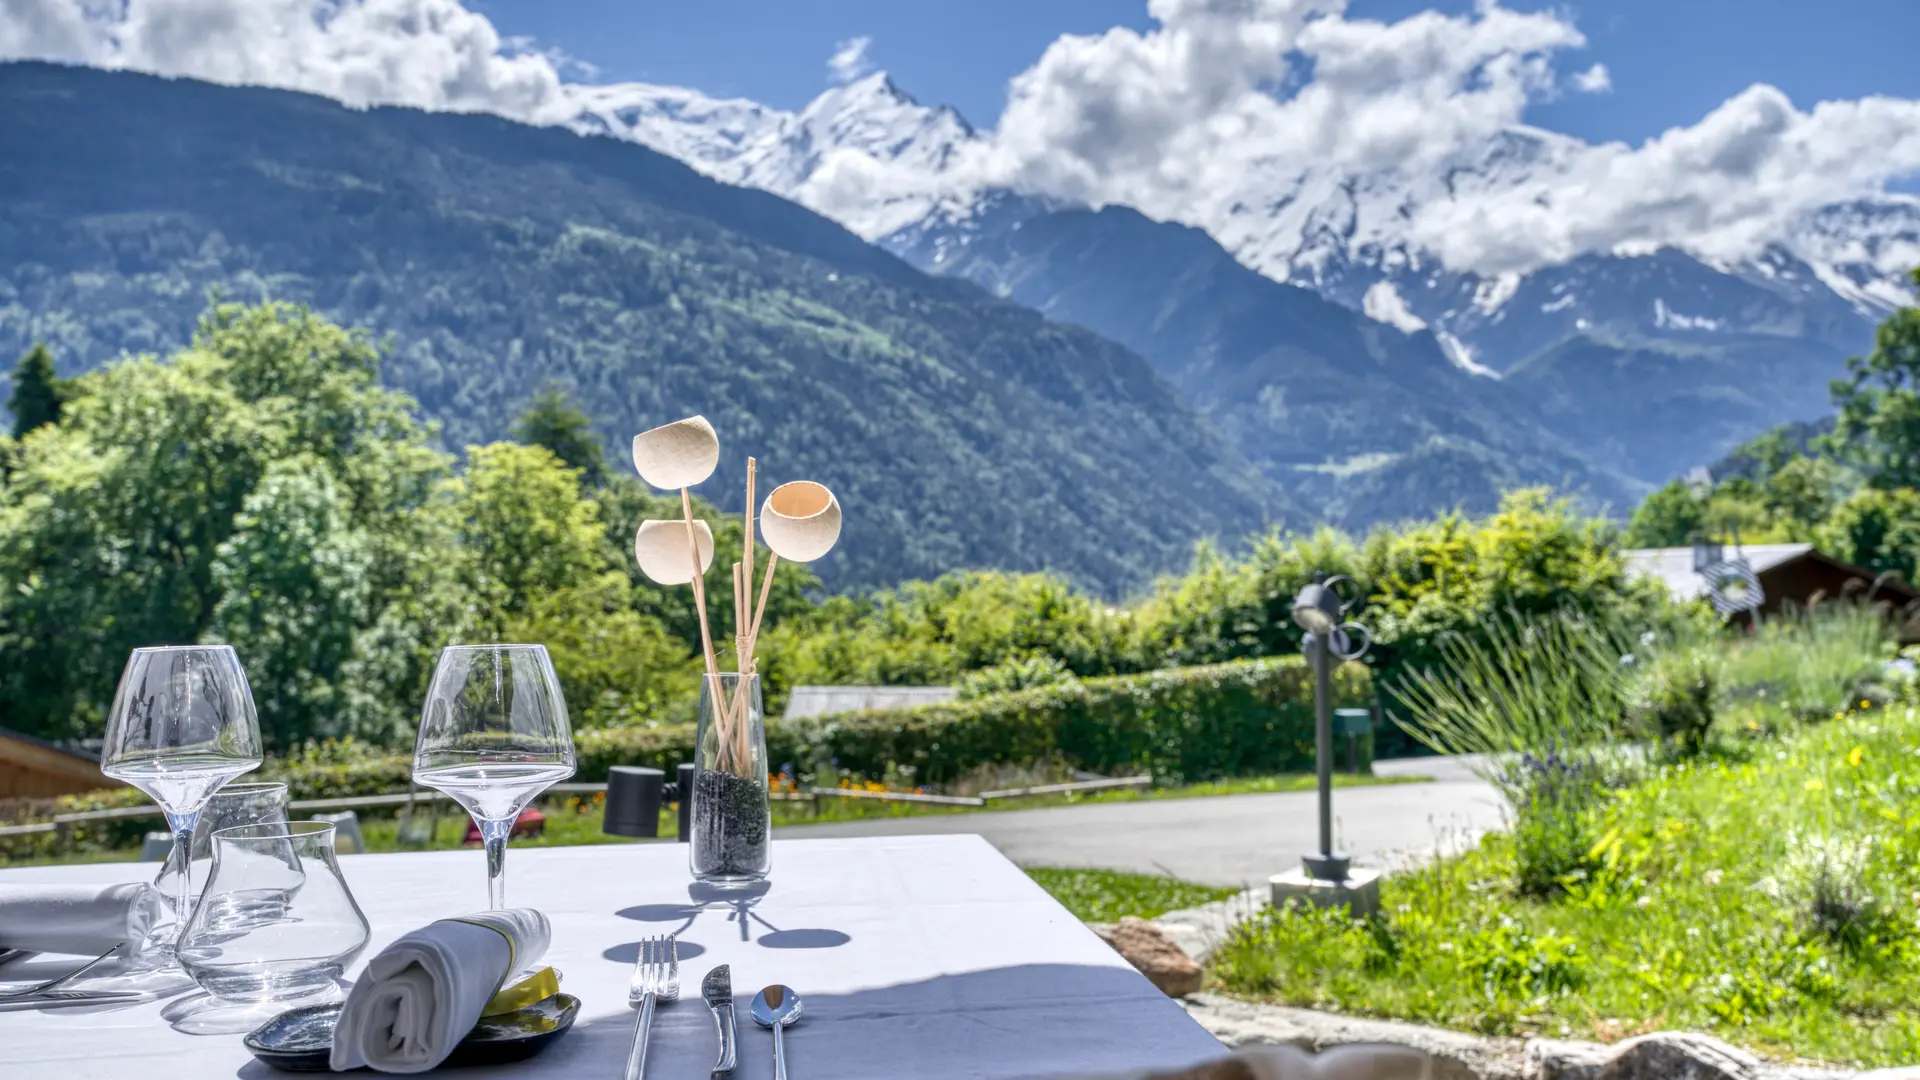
{"points": [[753, 631], [699, 589]]}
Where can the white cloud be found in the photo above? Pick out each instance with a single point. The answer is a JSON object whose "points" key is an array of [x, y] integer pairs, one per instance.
{"points": [[435, 54], [1232, 115], [1723, 187], [1594, 80], [849, 60], [1183, 121]]}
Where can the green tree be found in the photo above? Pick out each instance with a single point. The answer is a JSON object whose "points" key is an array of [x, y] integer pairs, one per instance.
{"points": [[37, 391], [553, 421], [1803, 491], [1670, 517], [527, 530], [220, 492], [1879, 403], [1878, 529]]}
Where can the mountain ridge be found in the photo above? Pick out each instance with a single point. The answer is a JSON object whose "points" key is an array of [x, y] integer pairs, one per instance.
{"points": [[969, 431]]}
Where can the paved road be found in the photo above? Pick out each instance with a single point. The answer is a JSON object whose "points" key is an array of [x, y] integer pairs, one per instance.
{"points": [[1228, 840]]}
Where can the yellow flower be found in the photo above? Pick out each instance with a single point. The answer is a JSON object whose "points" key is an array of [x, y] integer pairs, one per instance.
{"points": [[1856, 755], [1815, 785]]}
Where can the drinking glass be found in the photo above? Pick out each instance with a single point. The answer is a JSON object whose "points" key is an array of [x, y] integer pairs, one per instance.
{"points": [[493, 735], [275, 925], [182, 725], [260, 803]]}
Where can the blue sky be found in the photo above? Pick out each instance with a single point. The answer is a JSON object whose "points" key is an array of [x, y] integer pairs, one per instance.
{"points": [[1671, 61]]}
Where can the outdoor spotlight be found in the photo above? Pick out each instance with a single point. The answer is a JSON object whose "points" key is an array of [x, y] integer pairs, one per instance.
{"points": [[634, 797], [1317, 609]]}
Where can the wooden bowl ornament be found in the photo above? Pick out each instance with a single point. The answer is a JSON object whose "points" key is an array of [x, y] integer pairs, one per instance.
{"points": [[800, 521], [677, 455], [660, 547]]}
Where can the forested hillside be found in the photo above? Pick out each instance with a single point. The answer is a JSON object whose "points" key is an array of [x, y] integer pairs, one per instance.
{"points": [[1357, 418], [493, 258]]}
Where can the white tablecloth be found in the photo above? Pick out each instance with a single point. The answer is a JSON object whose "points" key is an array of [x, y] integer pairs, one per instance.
{"points": [[921, 956]]}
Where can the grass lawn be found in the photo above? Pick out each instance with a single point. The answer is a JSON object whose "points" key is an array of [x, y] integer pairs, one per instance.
{"points": [[1770, 901], [1106, 895]]}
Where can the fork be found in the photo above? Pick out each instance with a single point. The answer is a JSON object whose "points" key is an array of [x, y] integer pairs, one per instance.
{"points": [[61, 980], [656, 976]]}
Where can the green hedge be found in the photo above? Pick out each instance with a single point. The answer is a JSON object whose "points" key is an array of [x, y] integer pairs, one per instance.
{"points": [[1182, 725]]}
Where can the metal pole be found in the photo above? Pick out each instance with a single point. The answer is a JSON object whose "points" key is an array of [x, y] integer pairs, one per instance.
{"points": [[1323, 737]]}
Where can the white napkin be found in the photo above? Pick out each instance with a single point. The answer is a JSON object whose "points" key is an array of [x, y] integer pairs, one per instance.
{"points": [[86, 920], [423, 993]]}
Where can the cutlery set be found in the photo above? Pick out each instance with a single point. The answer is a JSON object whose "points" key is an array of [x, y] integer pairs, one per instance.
{"points": [[656, 981]]}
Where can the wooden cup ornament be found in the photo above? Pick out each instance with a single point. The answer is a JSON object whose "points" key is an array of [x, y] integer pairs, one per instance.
{"points": [[800, 522]]}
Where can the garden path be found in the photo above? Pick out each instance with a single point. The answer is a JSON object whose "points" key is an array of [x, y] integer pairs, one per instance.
{"points": [[1225, 840]]}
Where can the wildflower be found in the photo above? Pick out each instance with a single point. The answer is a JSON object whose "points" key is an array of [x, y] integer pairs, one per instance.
{"points": [[1815, 784], [1856, 755], [1643, 903], [1713, 876]]}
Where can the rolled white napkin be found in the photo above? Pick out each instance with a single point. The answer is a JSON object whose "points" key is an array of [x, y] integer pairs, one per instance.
{"points": [[423, 993], [82, 919]]}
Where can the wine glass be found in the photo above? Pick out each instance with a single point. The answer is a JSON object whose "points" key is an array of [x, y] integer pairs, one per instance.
{"points": [[493, 735], [262, 803], [182, 725]]}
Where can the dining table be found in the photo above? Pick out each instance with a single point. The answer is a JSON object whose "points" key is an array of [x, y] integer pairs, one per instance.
{"points": [[930, 957]]}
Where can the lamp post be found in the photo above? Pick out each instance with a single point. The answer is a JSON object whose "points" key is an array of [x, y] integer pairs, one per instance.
{"points": [[1326, 877]]}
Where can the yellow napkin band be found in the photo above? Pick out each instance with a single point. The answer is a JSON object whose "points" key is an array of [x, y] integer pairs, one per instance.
{"points": [[538, 986]]}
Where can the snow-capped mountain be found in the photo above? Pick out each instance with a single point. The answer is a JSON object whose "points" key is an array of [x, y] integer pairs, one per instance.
{"points": [[858, 153], [1603, 374], [899, 172]]}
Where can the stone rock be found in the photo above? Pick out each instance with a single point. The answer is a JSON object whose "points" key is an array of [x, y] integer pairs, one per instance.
{"points": [[1674, 1055], [1455, 1055], [1563, 1059], [1291, 1063], [1149, 949], [1201, 930]]}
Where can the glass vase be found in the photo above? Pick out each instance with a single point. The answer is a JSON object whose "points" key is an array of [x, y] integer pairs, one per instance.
{"points": [[731, 820]]}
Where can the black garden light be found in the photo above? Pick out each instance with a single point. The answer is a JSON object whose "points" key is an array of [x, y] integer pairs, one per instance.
{"points": [[1320, 611]]}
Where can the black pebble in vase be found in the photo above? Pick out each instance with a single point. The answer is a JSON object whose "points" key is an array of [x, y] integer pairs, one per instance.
{"points": [[730, 823]]}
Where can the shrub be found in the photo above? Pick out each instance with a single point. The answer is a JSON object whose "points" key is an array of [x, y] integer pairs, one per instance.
{"points": [[1554, 821], [1813, 663], [1823, 882], [1670, 698], [1540, 699], [1182, 725], [91, 836], [1009, 676]]}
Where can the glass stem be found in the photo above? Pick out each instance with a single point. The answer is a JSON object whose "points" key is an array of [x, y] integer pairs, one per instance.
{"points": [[182, 856], [494, 833]]}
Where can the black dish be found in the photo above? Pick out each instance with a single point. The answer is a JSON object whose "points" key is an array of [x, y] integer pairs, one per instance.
{"points": [[301, 1040]]}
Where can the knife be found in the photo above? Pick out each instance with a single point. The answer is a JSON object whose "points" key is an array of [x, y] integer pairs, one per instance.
{"points": [[60, 999], [717, 988]]}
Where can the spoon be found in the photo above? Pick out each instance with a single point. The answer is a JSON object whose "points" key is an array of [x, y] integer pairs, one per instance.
{"points": [[776, 1007]]}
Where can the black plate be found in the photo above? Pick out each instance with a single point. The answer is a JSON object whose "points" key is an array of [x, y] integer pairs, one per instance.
{"points": [[301, 1040]]}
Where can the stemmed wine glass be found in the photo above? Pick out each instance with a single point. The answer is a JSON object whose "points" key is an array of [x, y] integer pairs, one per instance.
{"points": [[493, 735], [182, 725]]}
